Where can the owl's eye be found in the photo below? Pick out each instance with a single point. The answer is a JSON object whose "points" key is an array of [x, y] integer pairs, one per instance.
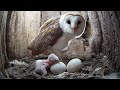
{"points": [[68, 21], [78, 22]]}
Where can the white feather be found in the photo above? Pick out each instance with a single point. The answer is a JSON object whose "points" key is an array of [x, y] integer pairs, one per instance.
{"points": [[16, 62]]}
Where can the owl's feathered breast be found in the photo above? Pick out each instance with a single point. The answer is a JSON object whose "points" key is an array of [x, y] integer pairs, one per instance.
{"points": [[50, 32]]}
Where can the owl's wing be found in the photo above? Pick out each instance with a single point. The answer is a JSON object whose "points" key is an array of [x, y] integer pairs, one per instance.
{"points": [[49, 33]]}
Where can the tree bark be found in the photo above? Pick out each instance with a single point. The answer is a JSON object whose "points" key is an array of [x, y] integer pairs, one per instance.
{"points": [[45, 15], [3, 54], [110, 26], [22, 28]]}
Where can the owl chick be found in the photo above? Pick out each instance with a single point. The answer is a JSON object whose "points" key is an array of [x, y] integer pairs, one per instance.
{"points": [[41, 66]]}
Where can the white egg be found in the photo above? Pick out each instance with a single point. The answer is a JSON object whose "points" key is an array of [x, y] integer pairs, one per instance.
{"points": [[58, 68], [74, 65]]}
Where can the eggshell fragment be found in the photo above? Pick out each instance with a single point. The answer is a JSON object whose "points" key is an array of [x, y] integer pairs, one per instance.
{"points": [[74, 65], [58, 68]]}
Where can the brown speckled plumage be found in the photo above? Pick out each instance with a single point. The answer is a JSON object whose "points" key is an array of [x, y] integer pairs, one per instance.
{"points": [[45, 38]]}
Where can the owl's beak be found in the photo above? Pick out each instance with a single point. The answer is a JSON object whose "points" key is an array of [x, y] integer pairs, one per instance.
{"points": [[74, 29]]}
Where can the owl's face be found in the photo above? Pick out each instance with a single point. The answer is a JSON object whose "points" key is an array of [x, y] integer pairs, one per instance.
{"points": [[72, 24]]}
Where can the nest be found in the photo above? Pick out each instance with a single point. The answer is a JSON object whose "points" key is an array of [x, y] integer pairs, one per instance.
{"points": [[96, 68]]}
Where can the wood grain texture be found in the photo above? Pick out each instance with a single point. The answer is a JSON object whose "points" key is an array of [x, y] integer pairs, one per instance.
{"points": [[64, 12], [48, 14], [3, 54], [23, 27]]}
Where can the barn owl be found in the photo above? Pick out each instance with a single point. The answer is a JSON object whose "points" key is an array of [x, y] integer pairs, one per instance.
{"points": [[57, 33]]}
